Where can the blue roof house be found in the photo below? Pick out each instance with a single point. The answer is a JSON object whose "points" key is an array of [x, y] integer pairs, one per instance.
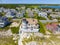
{"points": [[4, 22], [10, 14]]}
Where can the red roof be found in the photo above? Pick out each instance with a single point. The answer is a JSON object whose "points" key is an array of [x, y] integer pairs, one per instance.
{"points": [[52, 26]]}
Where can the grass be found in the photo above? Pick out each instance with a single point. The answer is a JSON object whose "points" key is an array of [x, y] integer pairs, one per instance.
{"points": [[42, 39], [50, 31], [26, 15], [4, 28], [15, 30], [32, 38], [41, 18], [7, 41], [42, 28]]}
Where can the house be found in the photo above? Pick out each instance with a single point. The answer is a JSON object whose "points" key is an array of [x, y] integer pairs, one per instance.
{"points": [[36, 10], [22, 11], [44, 10], [57, 10], [58, 13], [10, 14], [29, 12], [18, 8], [59, 27], [42, 14], [3, 22], [6, 10], [29, 25], [54, 15], [49, 11], [19, 14], [23, 7], [2, 8], [54, 27]]}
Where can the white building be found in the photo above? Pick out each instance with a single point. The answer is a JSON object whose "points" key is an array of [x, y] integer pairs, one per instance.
{"points": [[49, 11], [42, 14], [19, 14], [2, 24], [23, 7], [54, 15], [57, 10], [10, 14], [29, 25], [36, 10], [30, 12], [2, 9], [22, 11]]}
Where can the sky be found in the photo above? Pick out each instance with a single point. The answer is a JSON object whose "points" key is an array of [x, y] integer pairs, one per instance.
{"points": [[29, 1]]}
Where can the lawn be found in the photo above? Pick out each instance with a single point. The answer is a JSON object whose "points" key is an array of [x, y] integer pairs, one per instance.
{"points": [[49, 41], [4, 28], [7, 41], [42, 28], [15, 30]]}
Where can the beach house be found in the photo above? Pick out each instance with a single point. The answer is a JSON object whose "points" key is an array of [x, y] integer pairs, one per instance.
{"points": [[4, 22], [19, 14], [10, 14], [42, 14], [29, 25]]}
